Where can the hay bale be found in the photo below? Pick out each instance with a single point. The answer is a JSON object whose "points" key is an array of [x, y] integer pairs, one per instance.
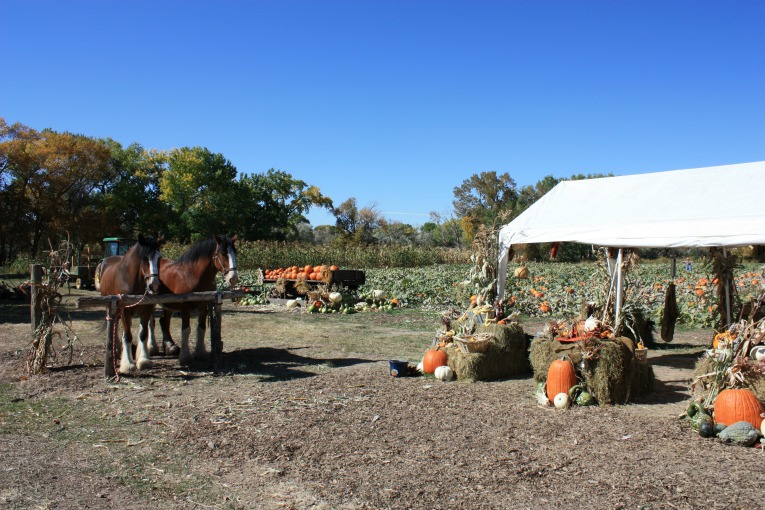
{"points": [[506, 355], [612, 377]]}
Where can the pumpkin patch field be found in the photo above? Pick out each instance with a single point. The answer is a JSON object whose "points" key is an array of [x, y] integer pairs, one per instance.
{"points": [[304, 414]]}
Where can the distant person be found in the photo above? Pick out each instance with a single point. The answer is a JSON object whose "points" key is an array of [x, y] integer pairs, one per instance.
{"points": [[688, 265]]}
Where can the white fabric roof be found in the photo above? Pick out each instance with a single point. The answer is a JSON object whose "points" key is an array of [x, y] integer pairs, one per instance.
{"points": [[713, 206], [700, 207]]}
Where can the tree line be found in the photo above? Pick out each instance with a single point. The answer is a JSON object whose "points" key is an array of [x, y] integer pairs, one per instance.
{"points": [[59, 184]]}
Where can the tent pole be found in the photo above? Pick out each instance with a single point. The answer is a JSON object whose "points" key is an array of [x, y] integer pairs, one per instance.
{"points": [[619, 288], [727, 291]]}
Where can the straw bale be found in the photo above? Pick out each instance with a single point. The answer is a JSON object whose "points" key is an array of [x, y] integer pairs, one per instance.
{"points": [[506, 355], [705, 365], [612, 376]]}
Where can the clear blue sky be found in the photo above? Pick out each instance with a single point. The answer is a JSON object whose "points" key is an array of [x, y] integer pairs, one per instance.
{"points": [[397, 102]]}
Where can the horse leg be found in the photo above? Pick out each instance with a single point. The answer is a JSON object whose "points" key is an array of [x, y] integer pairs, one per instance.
{"points": [[126, 360], [200, 353], [152, 340], [185, 356], [167, 338], [144, 359]]}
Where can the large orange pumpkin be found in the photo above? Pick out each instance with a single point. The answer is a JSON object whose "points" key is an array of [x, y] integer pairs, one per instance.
{"points": [[738, 405], [561, 376], [433, 359]]}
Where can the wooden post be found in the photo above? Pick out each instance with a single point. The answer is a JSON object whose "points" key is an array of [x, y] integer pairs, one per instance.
{"points": [[36, 295], [111, 316], [216, 344]]}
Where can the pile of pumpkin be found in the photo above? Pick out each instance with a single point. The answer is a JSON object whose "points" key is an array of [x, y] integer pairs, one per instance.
{"points": [[737, 418], [308, 272], [435, 362], [562, 388]]}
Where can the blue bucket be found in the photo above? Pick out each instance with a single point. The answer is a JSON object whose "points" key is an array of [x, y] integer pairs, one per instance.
{"points": [[398, 368]]}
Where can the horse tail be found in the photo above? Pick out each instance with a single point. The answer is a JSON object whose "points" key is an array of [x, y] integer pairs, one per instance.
{"points": [[97, 276]]}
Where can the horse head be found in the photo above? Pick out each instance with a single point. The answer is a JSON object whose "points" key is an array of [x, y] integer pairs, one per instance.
{"points": [[225, 259], [149, 253]]}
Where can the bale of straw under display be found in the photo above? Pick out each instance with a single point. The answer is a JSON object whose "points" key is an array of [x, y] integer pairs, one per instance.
{"points": [[506, 355], [612, 374]]}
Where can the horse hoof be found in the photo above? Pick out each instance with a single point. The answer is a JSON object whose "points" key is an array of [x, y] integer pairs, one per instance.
{"points": [[145, 364], [201, 356], [171, 349], [185, 360], [127, 368]]}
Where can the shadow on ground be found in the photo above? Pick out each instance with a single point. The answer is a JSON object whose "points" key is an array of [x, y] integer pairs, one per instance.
{"points": [[274, 365]]}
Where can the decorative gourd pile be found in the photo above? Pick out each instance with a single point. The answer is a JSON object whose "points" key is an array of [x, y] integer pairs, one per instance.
{"points": [[729, 386], [605, 368]]}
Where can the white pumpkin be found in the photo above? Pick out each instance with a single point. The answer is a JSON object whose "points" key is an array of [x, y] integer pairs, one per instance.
{"points": [[378, 295], [419, 367], [335, 298], [561, 401], [591, 324], [757, 353], [444, 373], [292, 303]]}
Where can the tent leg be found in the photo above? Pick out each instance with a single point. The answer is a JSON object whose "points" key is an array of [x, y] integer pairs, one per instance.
{"points": [[727, 293], [619, 288]]}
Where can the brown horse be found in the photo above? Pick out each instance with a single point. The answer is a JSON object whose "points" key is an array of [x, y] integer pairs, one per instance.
{"points": [[136, 272], [195, 271]]}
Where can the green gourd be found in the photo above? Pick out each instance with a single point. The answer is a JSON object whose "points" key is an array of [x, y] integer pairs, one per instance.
{"points": [[742, 433], [698, 417]]}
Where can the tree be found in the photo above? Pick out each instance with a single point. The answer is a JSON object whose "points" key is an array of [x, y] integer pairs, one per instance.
{"points": [[275, 205], [357, 225], [482, 196], [131, 203], [201, 190], [49, 179]]}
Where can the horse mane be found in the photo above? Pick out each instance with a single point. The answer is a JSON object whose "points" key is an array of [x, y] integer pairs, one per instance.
{"points": [[146, 248], [203, 248]]}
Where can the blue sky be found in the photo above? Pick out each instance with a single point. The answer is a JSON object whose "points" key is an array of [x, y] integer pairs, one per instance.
{"points": [[397, 102]]}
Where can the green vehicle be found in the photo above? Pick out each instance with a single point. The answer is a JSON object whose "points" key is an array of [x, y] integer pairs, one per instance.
{"points": [[84, 266]]}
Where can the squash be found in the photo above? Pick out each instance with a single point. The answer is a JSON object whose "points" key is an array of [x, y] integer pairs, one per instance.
{"points": [[561, 401], [561, 376], [521, 272], [757, 353], [433, 359], [378, 295], [699, 417], [734, 405], [706, 429], [444, 373], [741, 433], [580, 396], [335, 298]]}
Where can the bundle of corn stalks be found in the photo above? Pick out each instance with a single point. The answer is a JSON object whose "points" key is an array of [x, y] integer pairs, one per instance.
{"points": [[485, 260], [55, 274]]}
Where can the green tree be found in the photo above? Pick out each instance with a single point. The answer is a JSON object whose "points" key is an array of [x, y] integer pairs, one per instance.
{"points": [[276, 205], [131, 203], [483, 196], [201, 189]]}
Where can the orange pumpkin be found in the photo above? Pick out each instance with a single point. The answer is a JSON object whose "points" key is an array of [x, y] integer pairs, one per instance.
{"points": [[561, 376], [544, 307], [333, 267], [433, 359], [734, 405]]}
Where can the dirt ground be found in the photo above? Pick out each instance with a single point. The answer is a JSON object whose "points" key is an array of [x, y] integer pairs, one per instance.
{"points": [[304, 415]]}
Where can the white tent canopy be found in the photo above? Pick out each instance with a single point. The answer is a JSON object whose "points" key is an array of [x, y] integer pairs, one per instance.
{"points": [[701, 207]]}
